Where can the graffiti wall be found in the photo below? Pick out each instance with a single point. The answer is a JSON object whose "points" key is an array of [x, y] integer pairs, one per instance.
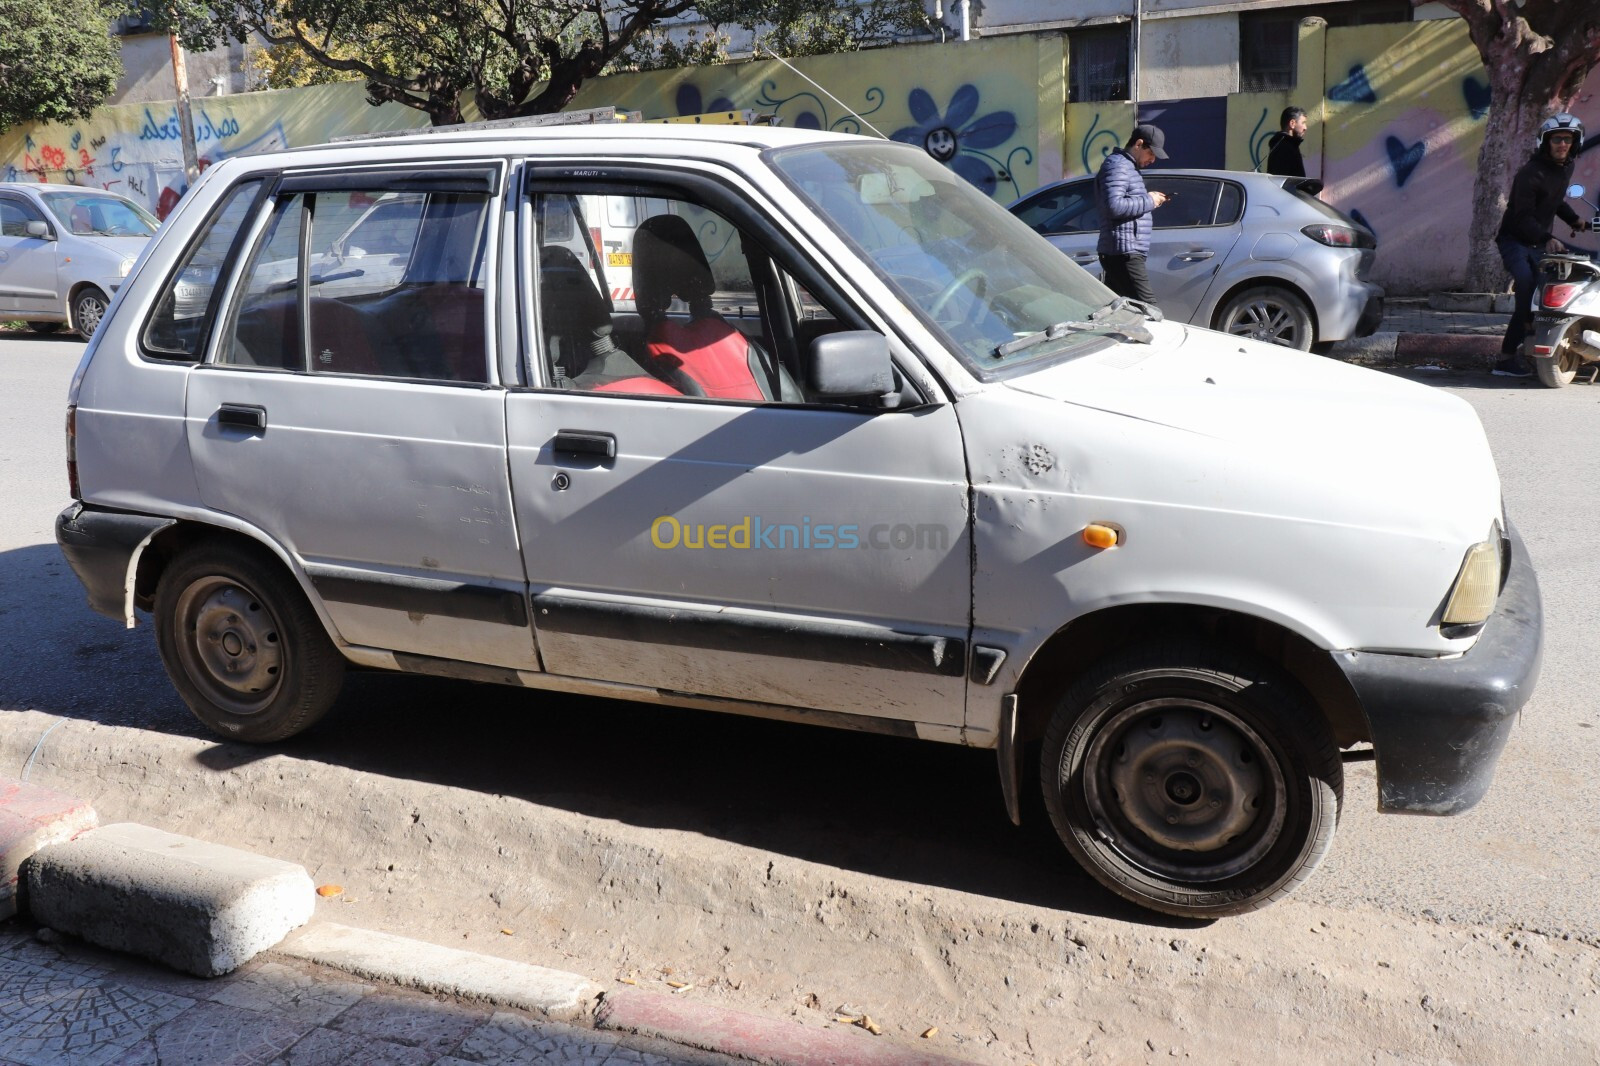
{"points": [[1397, 115], [977, 107], [136, 149]]}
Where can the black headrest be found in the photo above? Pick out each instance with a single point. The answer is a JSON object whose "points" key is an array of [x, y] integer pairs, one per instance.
{"points": [[567, 296], [668, 261]]}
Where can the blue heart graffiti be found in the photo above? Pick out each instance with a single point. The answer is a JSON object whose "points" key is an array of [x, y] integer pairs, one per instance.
{"points": [[1476, 94], [1355, 89], [1404, 160]]}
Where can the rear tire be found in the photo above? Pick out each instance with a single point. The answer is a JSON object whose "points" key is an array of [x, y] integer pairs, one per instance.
{"points": [[243, 646], [1558, 369], [1268, 313], [1191, 780], [88, 308]]}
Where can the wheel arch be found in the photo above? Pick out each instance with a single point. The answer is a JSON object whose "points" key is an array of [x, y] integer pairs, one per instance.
{"points": [[160, 551], [1266, 281], [1074, 648]]}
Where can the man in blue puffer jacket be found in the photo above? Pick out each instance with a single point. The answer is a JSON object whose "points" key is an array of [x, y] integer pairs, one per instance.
{"points": [[1125, 208]]}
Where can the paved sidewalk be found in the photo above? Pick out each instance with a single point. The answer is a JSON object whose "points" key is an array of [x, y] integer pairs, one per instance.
{"points": [[64, 1003]]}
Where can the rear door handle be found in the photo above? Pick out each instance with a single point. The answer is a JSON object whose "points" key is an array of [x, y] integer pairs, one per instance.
{"points": [[585, 442], [1194, 255], [242, 416]]}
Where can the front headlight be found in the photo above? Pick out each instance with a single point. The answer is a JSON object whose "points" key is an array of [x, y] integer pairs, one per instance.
{"points": [[127, 266], [1477, 585]]}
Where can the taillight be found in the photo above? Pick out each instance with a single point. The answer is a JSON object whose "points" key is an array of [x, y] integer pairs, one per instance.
{"points": [[1339, 236], [1558, 293], [72, 451]]}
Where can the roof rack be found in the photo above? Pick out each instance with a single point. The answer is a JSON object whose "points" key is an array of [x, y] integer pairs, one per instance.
{"points": [[593, 116], [747, 117]]}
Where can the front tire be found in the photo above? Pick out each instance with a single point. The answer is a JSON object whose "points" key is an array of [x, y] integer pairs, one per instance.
{"points": [[242, 646], [1268, 313], [1192, 781], [88, 308]]}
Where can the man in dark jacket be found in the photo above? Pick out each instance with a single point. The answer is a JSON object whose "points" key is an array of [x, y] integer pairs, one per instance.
{"points": [[1125, 207], [1538, 195], [1283, 149]]}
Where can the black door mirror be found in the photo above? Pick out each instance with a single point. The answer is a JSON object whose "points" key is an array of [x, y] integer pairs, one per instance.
{"points": [[36, 228], [850, 364]]}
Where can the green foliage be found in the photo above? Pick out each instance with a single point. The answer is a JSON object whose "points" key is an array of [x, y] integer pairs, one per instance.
{"points": [[820, 27], [58, 61]]}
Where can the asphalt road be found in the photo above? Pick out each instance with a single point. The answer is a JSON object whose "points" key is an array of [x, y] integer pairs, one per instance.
{"points": [[920, 813]]}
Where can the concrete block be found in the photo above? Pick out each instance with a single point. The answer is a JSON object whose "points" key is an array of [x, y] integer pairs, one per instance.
{"points": [[30, 818], [202, 908], [1504, 303]]}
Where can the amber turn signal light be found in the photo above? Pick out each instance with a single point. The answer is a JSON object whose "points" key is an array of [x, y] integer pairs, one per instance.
{"points": [[1100, 535]]}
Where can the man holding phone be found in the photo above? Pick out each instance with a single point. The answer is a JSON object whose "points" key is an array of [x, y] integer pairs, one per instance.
{"points": [[1125, 205]]}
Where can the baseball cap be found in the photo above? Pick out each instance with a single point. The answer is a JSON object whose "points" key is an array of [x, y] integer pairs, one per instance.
{"points": [[1153, 137]]}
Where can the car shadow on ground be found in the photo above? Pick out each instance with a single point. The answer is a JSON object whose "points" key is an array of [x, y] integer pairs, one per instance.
{"points": [[914, 811]]}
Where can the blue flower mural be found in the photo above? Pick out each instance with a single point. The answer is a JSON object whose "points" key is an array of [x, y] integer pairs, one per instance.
{"points": [[956, 138], [690, 101]]}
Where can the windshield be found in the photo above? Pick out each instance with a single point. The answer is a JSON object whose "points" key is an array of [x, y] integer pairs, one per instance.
{"points": [[90, 214], [971, 270]]}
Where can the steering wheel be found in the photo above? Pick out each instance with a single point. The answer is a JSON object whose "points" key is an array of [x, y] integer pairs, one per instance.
{"points": [[949, 292]]}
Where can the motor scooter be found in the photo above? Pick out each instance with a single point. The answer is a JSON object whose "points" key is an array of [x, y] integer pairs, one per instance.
{"points": [[1566, 320]]}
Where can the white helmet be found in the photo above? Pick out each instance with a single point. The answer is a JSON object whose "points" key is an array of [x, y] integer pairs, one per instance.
{"points": [[1562, 121]]}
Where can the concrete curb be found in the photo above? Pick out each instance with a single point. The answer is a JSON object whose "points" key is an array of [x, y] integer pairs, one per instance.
{"points": [[449, 971], [1457, 351], [752, 1036]]}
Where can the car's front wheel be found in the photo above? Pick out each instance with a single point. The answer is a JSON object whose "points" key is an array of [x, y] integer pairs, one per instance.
{"points": [[88, 308], [1192, 781], [1268, 313], [241, 644]]}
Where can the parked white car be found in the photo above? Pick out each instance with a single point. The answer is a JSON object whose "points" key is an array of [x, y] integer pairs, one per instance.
{"points": [[1254, 255], [64, 251], [862, 451]]}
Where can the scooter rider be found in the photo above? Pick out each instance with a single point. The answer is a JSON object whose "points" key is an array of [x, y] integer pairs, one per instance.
{"points": [[1538, 195]]}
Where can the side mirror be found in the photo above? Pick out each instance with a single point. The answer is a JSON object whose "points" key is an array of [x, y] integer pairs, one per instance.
{"points": [[35, 228], [853, 363], [1576, 192]]}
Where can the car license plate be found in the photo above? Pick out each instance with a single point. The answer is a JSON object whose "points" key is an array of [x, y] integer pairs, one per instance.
{"points": [[619, 259]]}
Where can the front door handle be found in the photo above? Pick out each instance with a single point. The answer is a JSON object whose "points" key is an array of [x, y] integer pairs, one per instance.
{"points": [[585, 442], [242, 416]]}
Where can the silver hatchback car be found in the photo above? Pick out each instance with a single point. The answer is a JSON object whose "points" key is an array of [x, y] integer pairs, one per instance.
{"points": [[64, 251], [1254, 255]]}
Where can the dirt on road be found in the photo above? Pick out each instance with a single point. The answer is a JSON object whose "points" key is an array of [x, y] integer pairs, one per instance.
{"points": [[756, 929]]}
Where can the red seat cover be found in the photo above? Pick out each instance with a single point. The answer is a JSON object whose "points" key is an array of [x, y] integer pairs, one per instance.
{"points": [[711, 352]]}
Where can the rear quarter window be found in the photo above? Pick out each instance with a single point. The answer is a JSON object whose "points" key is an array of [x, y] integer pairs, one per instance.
{"points": [[182, 321]]}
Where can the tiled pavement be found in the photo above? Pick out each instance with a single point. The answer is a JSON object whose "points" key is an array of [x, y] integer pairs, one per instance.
{"points": [[64, 1003]]}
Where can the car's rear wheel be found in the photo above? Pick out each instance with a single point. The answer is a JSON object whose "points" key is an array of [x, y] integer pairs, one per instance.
{"points": [[1192, 781], [88, 308], [1268, 313], [1559, 368], [243, 647], [44, 327]]}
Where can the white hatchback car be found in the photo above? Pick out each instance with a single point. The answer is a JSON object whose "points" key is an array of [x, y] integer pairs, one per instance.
{"points": [[862, 451], [64, 251]]}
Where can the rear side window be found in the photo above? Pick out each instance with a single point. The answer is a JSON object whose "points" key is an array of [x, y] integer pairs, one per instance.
{"points": [[183, 315], [367, 282]]}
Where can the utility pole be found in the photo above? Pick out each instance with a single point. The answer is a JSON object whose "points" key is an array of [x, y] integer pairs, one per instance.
{"points": [[1133, 57], [180, 77]]}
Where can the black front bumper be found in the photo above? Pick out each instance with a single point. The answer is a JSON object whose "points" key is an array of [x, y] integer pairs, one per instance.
{"points": [[1438, 725], [99, 545]]}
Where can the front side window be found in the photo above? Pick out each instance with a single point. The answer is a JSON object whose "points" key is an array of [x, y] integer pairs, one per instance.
{"points": [[368, 282], [182, 320], [653, 295], [100, 216], [14, 218], [1063, 209], [967, 267]]}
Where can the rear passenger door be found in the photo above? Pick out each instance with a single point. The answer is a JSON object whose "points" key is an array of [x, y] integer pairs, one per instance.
{"points": [[1191, 237], [349, 410]]}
